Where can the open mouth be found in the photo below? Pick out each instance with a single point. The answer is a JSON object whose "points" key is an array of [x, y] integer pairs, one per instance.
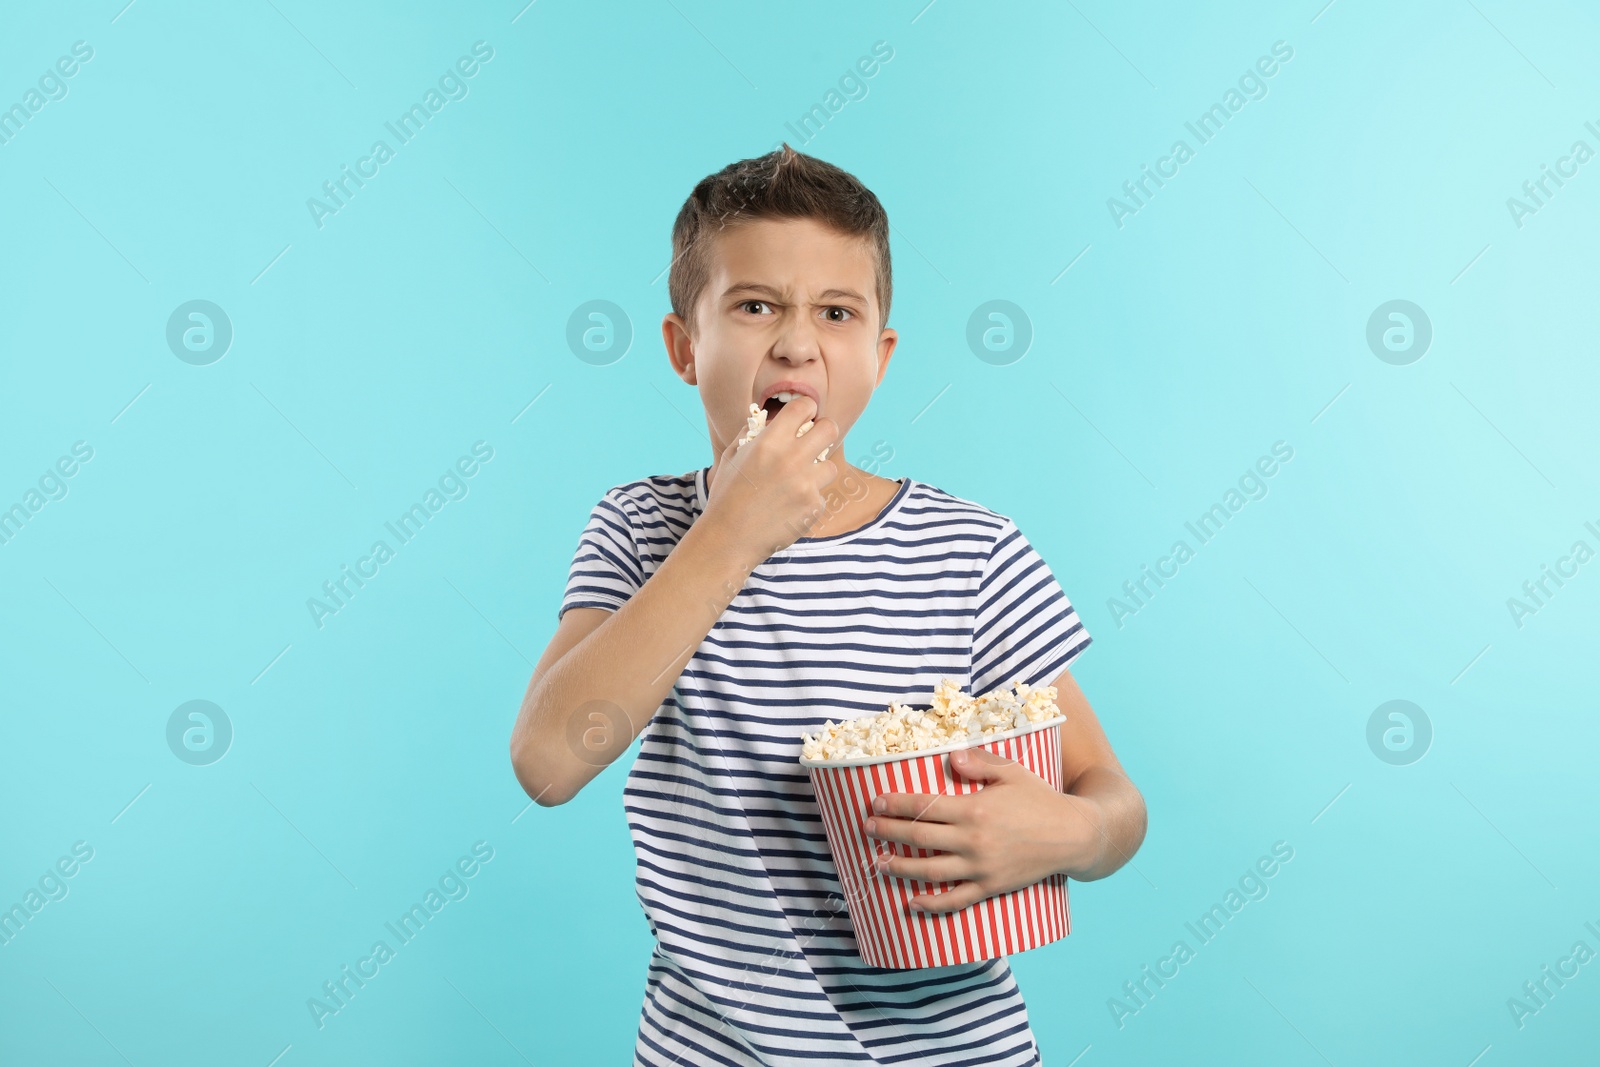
{"points": [[775, 403]]}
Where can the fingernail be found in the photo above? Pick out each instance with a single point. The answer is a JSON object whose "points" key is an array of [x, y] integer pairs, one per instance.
{"points": [[878, 804], [871, 826]]}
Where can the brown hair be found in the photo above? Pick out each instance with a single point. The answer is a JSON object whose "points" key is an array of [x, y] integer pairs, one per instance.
{"points": [[782, 184]]}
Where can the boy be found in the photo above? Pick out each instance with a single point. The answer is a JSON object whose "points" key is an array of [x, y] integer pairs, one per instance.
{"points": [[724, 612]]}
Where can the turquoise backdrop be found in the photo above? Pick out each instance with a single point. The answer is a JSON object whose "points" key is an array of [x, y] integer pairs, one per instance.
{"points": [[220, 382]]}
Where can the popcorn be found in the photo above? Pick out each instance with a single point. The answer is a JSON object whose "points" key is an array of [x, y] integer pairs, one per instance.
{"points": [[758, 422], [953, 718]]}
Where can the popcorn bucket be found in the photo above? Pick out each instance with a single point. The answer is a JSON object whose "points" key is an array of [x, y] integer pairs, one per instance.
{"points": [[888, 932]]}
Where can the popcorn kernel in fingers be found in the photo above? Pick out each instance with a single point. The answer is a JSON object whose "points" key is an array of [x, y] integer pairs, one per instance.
{"points": [[755, 424]]}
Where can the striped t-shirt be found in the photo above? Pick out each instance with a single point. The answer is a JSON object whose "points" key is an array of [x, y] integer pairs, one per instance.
{"points": [[755, 960]]}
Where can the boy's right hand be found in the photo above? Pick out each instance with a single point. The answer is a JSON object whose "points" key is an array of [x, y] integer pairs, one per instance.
{"points": [[769, 493]]}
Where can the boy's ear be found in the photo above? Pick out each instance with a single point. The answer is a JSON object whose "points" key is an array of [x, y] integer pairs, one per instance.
{"points": [[887, 340], [680, 346]]}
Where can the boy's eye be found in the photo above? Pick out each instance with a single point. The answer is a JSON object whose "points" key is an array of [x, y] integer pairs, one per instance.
{"points": [[844, 311], [754, 303]]}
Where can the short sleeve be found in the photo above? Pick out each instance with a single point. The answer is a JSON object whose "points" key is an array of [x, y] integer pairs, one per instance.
{"points": [[605, 570], [1025, 627]]}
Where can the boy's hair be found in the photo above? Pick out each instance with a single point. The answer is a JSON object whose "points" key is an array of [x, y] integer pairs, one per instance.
{"points": [[783, 184]]}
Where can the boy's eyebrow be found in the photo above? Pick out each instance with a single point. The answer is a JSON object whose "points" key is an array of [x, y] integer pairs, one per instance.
{"points": [[767, 290]]}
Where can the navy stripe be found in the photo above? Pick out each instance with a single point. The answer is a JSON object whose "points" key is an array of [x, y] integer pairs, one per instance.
{"points": [[702, 1054], [728, 624], [591, 598], [756, 960]]}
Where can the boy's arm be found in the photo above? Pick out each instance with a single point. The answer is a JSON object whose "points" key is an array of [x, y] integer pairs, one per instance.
{"points": [[1090, 770], [1018, 829], [601, 680], [605, 673]]}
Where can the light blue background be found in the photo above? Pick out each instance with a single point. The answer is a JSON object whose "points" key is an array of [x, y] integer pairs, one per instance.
{"points": [[369, 354]]}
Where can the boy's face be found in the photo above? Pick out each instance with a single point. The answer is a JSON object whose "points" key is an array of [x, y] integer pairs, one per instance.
{"points": [[788, 300]]}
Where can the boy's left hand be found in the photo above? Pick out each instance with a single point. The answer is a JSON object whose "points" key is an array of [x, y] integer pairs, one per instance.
{"points": [[1013, 832]]}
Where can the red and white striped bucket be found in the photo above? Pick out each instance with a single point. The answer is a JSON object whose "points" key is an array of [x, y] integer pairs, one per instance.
{"points": [[888, 932]]}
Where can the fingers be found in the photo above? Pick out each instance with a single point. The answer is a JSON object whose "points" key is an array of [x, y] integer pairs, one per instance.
{"points": [[824, 466], [825, 430], [822, 431], [830, 472], [943, 868], [979, 764], [952, 900], [801, 414], [935, 807], [801, 409], [916, 832]]}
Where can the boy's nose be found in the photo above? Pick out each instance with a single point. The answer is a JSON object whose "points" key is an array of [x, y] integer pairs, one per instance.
{"points": [[797, 343]]}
